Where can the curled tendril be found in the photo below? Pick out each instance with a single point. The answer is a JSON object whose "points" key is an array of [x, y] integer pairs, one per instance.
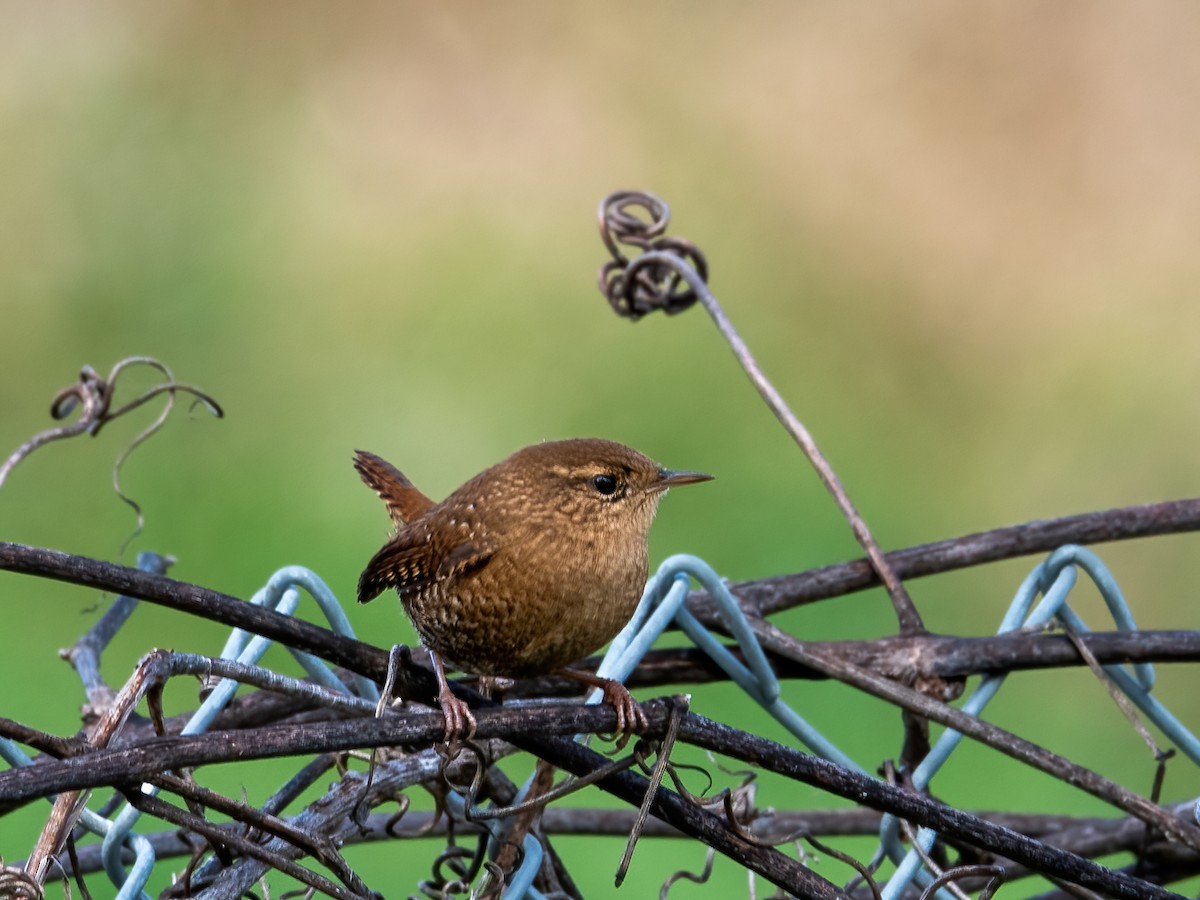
{"points": [[865, 872], [93, 396], [569, 785], [493, 882], [18, 884], [647, 283], [403, 801], [465, 757], [462, 864], [699, 878]]}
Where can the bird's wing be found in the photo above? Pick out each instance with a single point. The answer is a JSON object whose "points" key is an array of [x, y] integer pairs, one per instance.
{"points": [[412, 561], [404, 502]]}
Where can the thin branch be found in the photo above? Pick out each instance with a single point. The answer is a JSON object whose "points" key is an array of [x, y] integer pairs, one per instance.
{"points": [[195, 600], [1096, 838], [532, 728], [50, 744], [898, 657], [316, 846], [69, 805], [772, 595], [183, 819], [329, 817], [1091, 837]]}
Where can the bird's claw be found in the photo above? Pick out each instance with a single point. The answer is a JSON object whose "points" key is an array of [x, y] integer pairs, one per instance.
{"points": [[460, 721], [630, 718]]}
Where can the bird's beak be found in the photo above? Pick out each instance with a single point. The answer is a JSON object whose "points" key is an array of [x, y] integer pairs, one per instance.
{"points": [[668, 478]]}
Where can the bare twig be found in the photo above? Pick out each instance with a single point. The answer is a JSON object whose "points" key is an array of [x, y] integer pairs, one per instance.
{"points": [[949, 878], [910, 835], [523, 822], [330, 816], [168, 813], [317, 846], [196, 600], [69, 805], [299, 783], [651, 281], [660, 767], [537, 801], [50, 744], [1124, 704]]}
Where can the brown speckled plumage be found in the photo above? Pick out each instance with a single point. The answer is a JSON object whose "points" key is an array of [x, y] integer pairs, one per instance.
{"points": [[530, 565], [527, 567]]}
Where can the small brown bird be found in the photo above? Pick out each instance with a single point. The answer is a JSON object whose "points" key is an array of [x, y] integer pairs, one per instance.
{"points": [[528, 567]]}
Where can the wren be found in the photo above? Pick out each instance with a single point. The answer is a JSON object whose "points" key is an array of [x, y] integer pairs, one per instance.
{"points": [[530, 566]]}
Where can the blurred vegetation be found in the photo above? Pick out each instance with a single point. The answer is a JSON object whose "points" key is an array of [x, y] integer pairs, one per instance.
{"points": [[961, 240]]}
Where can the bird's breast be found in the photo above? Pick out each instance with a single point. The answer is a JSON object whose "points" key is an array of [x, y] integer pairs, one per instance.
{"points": [[528, 612]]}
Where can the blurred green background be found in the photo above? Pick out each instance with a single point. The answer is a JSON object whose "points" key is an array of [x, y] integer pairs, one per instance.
{"points": [[960, 239]]}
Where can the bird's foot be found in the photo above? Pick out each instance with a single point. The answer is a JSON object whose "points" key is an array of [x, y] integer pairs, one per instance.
{"points": [[460, 721], [630, 718]]}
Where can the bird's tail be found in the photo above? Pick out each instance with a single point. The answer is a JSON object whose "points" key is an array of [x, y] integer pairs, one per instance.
{"points": [[404, 502]]}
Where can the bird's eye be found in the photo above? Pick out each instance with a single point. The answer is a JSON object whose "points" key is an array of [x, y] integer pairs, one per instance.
{"points": [[605, 484]]}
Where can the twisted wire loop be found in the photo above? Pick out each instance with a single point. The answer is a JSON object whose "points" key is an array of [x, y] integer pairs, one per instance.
{"points": [[634, 288]]}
